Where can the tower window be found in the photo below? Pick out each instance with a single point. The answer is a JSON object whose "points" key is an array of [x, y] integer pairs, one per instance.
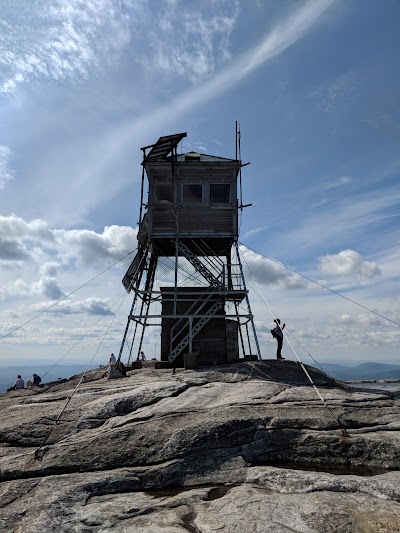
{"points": [[220, 193], [163, 192], [192, 193]]}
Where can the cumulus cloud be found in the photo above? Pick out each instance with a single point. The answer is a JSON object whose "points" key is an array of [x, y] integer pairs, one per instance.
{"points": [[348, 263], [89, 306], [16, 228], [47, 287], [92, 248], [268, 272], [43, 255], [49, 269], [26, 240], [12, 250]]}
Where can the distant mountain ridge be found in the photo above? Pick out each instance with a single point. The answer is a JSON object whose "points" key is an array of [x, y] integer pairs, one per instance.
{"points": [[363, 371]]}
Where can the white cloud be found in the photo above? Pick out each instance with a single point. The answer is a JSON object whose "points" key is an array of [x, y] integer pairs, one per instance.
{"points": [[72, 40], [49, 269], [94, 248], [12, 251], [357, 214], [254, 231], [191, 42], [331, 96], [5, 172], [47, 287], [268, 272], [26, 240], [63, 41], [340, 182], [90, 306], [348, 263], [14, 228]]}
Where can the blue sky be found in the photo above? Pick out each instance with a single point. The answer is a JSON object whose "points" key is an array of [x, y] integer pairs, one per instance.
{"points": [[315, 86]]}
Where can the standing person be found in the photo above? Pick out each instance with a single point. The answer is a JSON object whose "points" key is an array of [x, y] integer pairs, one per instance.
{"points": [[277, 332], [142, 356]]}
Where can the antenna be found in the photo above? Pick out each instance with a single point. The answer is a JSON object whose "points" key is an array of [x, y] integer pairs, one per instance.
{"points": [[238, 153]]}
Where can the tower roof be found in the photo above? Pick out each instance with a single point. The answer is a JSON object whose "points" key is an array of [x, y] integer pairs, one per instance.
{"points": [[196, 156]]}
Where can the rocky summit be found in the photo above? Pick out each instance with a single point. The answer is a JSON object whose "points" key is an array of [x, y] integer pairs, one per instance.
{"points": [[251, 447]]}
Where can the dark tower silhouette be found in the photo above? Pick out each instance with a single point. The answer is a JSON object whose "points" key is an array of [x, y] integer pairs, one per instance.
{"points": [[188, 231]]}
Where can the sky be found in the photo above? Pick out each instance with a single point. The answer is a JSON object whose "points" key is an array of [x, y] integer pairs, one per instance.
{"points": [[315, 87]]}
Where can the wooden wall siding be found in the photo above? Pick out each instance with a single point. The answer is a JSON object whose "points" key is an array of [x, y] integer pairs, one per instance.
{"points": [[162, 221], [206, 220], [201, 220]]}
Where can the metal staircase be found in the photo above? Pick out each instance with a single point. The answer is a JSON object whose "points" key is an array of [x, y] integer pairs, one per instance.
{"points": [[197, 327], [200, 312], [209, 276]]}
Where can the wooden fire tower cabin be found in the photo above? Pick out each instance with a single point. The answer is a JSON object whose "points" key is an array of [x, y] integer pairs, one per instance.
{"points": [[188, 264]]}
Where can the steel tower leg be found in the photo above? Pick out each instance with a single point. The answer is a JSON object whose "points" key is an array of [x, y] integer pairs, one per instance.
{"points": [[248, 301]]}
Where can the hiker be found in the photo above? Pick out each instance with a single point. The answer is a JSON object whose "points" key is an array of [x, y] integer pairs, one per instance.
{"points": [[19, 384], [277, 333], [112, 359]]}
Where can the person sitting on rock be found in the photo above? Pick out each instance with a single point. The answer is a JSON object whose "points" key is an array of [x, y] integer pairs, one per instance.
{"points": [[36, 379], [112, 360], [19, 384]]}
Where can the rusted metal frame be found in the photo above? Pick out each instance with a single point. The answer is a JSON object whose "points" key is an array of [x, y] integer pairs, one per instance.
{"points": [[136, 317], [190, 314], [140, 270], [248, 301], [246, 325], [141, 192], [213, 264], [230, 286], [194, 330], [148, 288], [240, 329]]}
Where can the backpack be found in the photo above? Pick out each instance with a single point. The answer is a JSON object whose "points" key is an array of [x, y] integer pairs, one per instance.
{"points": [[274, 334]]}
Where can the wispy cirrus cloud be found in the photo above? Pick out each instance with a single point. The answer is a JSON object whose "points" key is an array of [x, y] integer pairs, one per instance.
{"points": [[5, 171], [72, 40], [350, 213], [340, 182], [63, 41], [191, 42], [254, 231], [283, 35]]}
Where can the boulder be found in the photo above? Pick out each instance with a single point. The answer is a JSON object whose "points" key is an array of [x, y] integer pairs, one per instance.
{"points": [[226, 448]]}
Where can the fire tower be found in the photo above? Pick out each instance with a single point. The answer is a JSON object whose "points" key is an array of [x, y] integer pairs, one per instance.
{"points": [[188, 231]]}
